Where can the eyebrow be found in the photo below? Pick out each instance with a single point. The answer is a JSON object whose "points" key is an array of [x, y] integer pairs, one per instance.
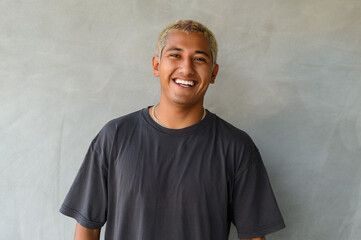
{"points": [[181, 50]]}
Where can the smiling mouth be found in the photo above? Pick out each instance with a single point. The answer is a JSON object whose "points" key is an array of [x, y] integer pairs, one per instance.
{"points": [[185, 83]]}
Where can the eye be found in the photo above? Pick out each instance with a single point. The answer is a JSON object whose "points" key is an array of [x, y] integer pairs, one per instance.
{"points": [[174, 55], [199, 59]]}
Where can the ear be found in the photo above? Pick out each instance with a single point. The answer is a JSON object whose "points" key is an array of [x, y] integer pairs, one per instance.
{"points": [[214, 73], [155, 63]]}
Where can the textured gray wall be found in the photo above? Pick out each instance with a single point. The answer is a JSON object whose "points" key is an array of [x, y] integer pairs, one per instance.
{"points": [[289, 76]]}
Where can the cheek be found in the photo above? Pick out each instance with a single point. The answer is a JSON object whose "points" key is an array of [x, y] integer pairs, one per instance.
{"points": [[167, 67], [205, 73]]}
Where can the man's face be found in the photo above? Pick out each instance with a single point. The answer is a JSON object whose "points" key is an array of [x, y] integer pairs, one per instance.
{"points": [[185, 68]]}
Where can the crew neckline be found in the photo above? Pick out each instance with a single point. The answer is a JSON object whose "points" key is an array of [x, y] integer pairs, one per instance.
{"points": [[182, 131]]}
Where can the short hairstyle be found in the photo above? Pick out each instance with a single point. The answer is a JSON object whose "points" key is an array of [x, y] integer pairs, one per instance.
{"points": [[188, 26]]}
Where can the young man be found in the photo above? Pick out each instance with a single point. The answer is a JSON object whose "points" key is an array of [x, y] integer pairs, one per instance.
{"points": [[174, 170]]}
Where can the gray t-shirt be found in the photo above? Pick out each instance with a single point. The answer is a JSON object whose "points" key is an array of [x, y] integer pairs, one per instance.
{"points": [[148, 182]]}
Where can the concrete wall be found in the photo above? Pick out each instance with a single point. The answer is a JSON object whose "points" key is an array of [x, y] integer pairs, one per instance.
{"points": [[289, 76]]}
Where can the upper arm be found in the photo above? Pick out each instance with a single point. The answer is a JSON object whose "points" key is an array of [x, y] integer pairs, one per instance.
{"points": [[82, 233]]}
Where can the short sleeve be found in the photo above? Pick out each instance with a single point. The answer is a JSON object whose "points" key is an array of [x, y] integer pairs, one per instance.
{"points": [[86, 200], [255, 212]]}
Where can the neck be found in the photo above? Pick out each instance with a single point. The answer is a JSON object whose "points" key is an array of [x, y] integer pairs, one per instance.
{"points": [[177, 116]]}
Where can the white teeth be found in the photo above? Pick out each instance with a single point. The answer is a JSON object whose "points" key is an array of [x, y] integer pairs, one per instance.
{"points": [[179, 81]]}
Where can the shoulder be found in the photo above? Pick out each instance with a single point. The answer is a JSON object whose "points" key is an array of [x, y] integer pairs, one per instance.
{"points": [[122, 123], [118, 127], [232, 134]]}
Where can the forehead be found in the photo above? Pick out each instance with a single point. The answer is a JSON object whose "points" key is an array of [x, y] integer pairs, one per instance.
{"points": [[187, 41]]}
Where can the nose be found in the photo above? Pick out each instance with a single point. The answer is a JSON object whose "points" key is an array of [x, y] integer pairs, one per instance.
{"points": [[186, 67]]}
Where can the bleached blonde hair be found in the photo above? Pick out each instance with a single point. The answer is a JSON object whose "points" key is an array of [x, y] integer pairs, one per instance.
{"points": [[188, 26]]}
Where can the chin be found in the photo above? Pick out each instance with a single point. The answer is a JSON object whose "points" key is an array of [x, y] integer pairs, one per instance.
{"points": [[185, 102]]}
